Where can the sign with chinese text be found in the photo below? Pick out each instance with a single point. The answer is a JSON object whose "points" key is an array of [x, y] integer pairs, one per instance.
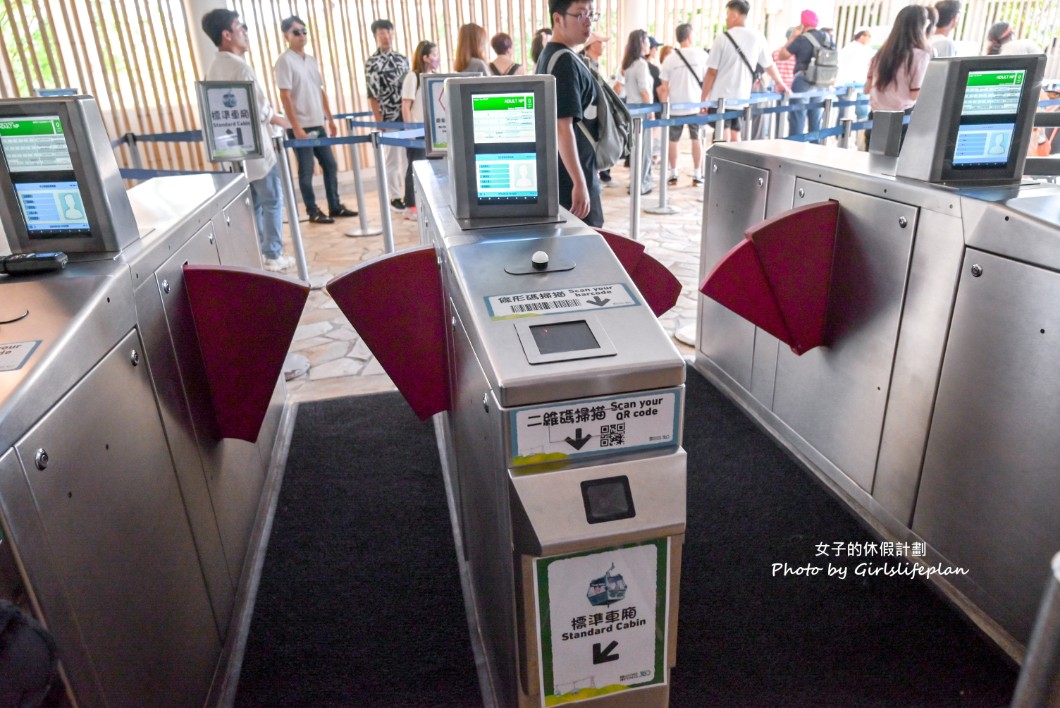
{"points": [[15, 354], [594, 426], [230, 120], [560, 300], [602, 621]]}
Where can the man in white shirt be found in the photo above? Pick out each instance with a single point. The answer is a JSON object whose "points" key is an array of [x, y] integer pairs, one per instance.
{"points": [[730, 74], [306, 107], [949, 13], [682, 81], [854, 61], [229, 35]]}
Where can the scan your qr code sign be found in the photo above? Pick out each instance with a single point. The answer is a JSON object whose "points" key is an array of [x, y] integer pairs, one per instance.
{"points": [[595, 426]]}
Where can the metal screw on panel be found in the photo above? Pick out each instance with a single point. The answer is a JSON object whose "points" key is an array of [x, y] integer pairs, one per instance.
{"points": [[165, 287], [247, 201], [486, 401], [903, 222], [41, 459], [977, 270], [228, 220], [452, 322], [211, 239], [134, 357], [761, 182], [714, 168], [802, 193]]}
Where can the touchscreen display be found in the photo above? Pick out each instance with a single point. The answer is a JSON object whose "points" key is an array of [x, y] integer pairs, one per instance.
{"points": [[42, 173], [505, 147], [988, 119]]}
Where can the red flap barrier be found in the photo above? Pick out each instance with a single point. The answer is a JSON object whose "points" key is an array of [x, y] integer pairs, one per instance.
{"points": [[779, 278], [657, 284], [395, 304], [245, 320]]}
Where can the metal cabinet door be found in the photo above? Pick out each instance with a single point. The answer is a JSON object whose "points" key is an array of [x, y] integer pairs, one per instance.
{"points": [[122, 549], [735, 201], [235, 472], [237, 237], [989, 496]]}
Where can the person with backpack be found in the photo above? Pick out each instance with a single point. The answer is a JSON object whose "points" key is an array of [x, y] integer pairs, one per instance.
{"points": [[816, 66], [682, 82], [731, 67], [424, 61], [576, 108]]}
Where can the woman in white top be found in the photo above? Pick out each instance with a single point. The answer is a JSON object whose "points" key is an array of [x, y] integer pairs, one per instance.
{"points": [[638, 84], [424, 61], [897, 70]]}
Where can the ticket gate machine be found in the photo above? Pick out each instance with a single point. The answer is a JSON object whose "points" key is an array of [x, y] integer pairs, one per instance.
{"points": [[131, 509], [917, 376], [564, 460]]}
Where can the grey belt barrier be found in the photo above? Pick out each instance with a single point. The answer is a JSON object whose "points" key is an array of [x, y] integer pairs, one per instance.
{"points": [[384, 194], [292, 210], [358, 186], [664, 165]]}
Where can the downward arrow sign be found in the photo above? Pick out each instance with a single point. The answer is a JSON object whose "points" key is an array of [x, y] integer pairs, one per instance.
{"points": [[578, 442], [601, 657], [598, 301]]}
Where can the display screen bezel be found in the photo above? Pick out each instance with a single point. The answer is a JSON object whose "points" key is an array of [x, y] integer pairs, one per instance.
{"points": [[10, 180], [1022, 122]]}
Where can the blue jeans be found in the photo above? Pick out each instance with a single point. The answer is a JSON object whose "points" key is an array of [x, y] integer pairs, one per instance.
{"points": [[268, 212], [797, 118], [328, 166]]}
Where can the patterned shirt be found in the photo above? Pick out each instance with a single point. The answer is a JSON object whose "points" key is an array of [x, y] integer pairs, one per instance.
{"points": [[383, 72]]}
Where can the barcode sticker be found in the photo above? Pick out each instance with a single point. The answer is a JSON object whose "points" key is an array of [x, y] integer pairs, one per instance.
{"points": [[551, 302]]}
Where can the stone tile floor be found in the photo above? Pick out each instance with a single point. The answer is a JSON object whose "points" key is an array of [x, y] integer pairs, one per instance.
{"points": [[341, 364]]}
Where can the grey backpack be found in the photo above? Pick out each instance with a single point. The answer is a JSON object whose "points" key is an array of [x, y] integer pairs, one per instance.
{"points": [[824, 66], [614, 123]]}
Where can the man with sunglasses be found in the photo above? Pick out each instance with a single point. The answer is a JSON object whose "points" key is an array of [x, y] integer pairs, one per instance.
{"points": [[229, 35], [579, 183], [306, 106]]}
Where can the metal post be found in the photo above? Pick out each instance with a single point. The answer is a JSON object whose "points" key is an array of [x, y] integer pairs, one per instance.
{"points": [[384, 194], [721, 133], [362, 212], [848, 126], [1039, 682], [292, 209], [636, 168], [134, 150], [826, 118], [748, 118], [664, 168], [782, 117], [852, 95]]}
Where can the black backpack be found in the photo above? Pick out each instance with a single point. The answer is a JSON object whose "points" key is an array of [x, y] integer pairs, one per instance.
{"points": [[824, 66]]}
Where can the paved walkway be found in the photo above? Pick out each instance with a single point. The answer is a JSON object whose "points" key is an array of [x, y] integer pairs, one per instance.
{"points": [[341, 364]]}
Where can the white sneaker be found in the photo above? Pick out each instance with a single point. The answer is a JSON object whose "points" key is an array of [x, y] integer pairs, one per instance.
{"points": [[276, 265], [287, 259]]}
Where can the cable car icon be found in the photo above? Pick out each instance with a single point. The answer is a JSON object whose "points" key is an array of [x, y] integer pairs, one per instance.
{"points": [[610, 588]]}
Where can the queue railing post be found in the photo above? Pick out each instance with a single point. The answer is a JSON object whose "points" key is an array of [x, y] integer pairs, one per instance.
{"points": [[358, 186], [748, 118], [636, 169], [848, 126], [826, 117], [384, 193], [664, 169], [134, 151], [782, 117], [292, 209]]}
